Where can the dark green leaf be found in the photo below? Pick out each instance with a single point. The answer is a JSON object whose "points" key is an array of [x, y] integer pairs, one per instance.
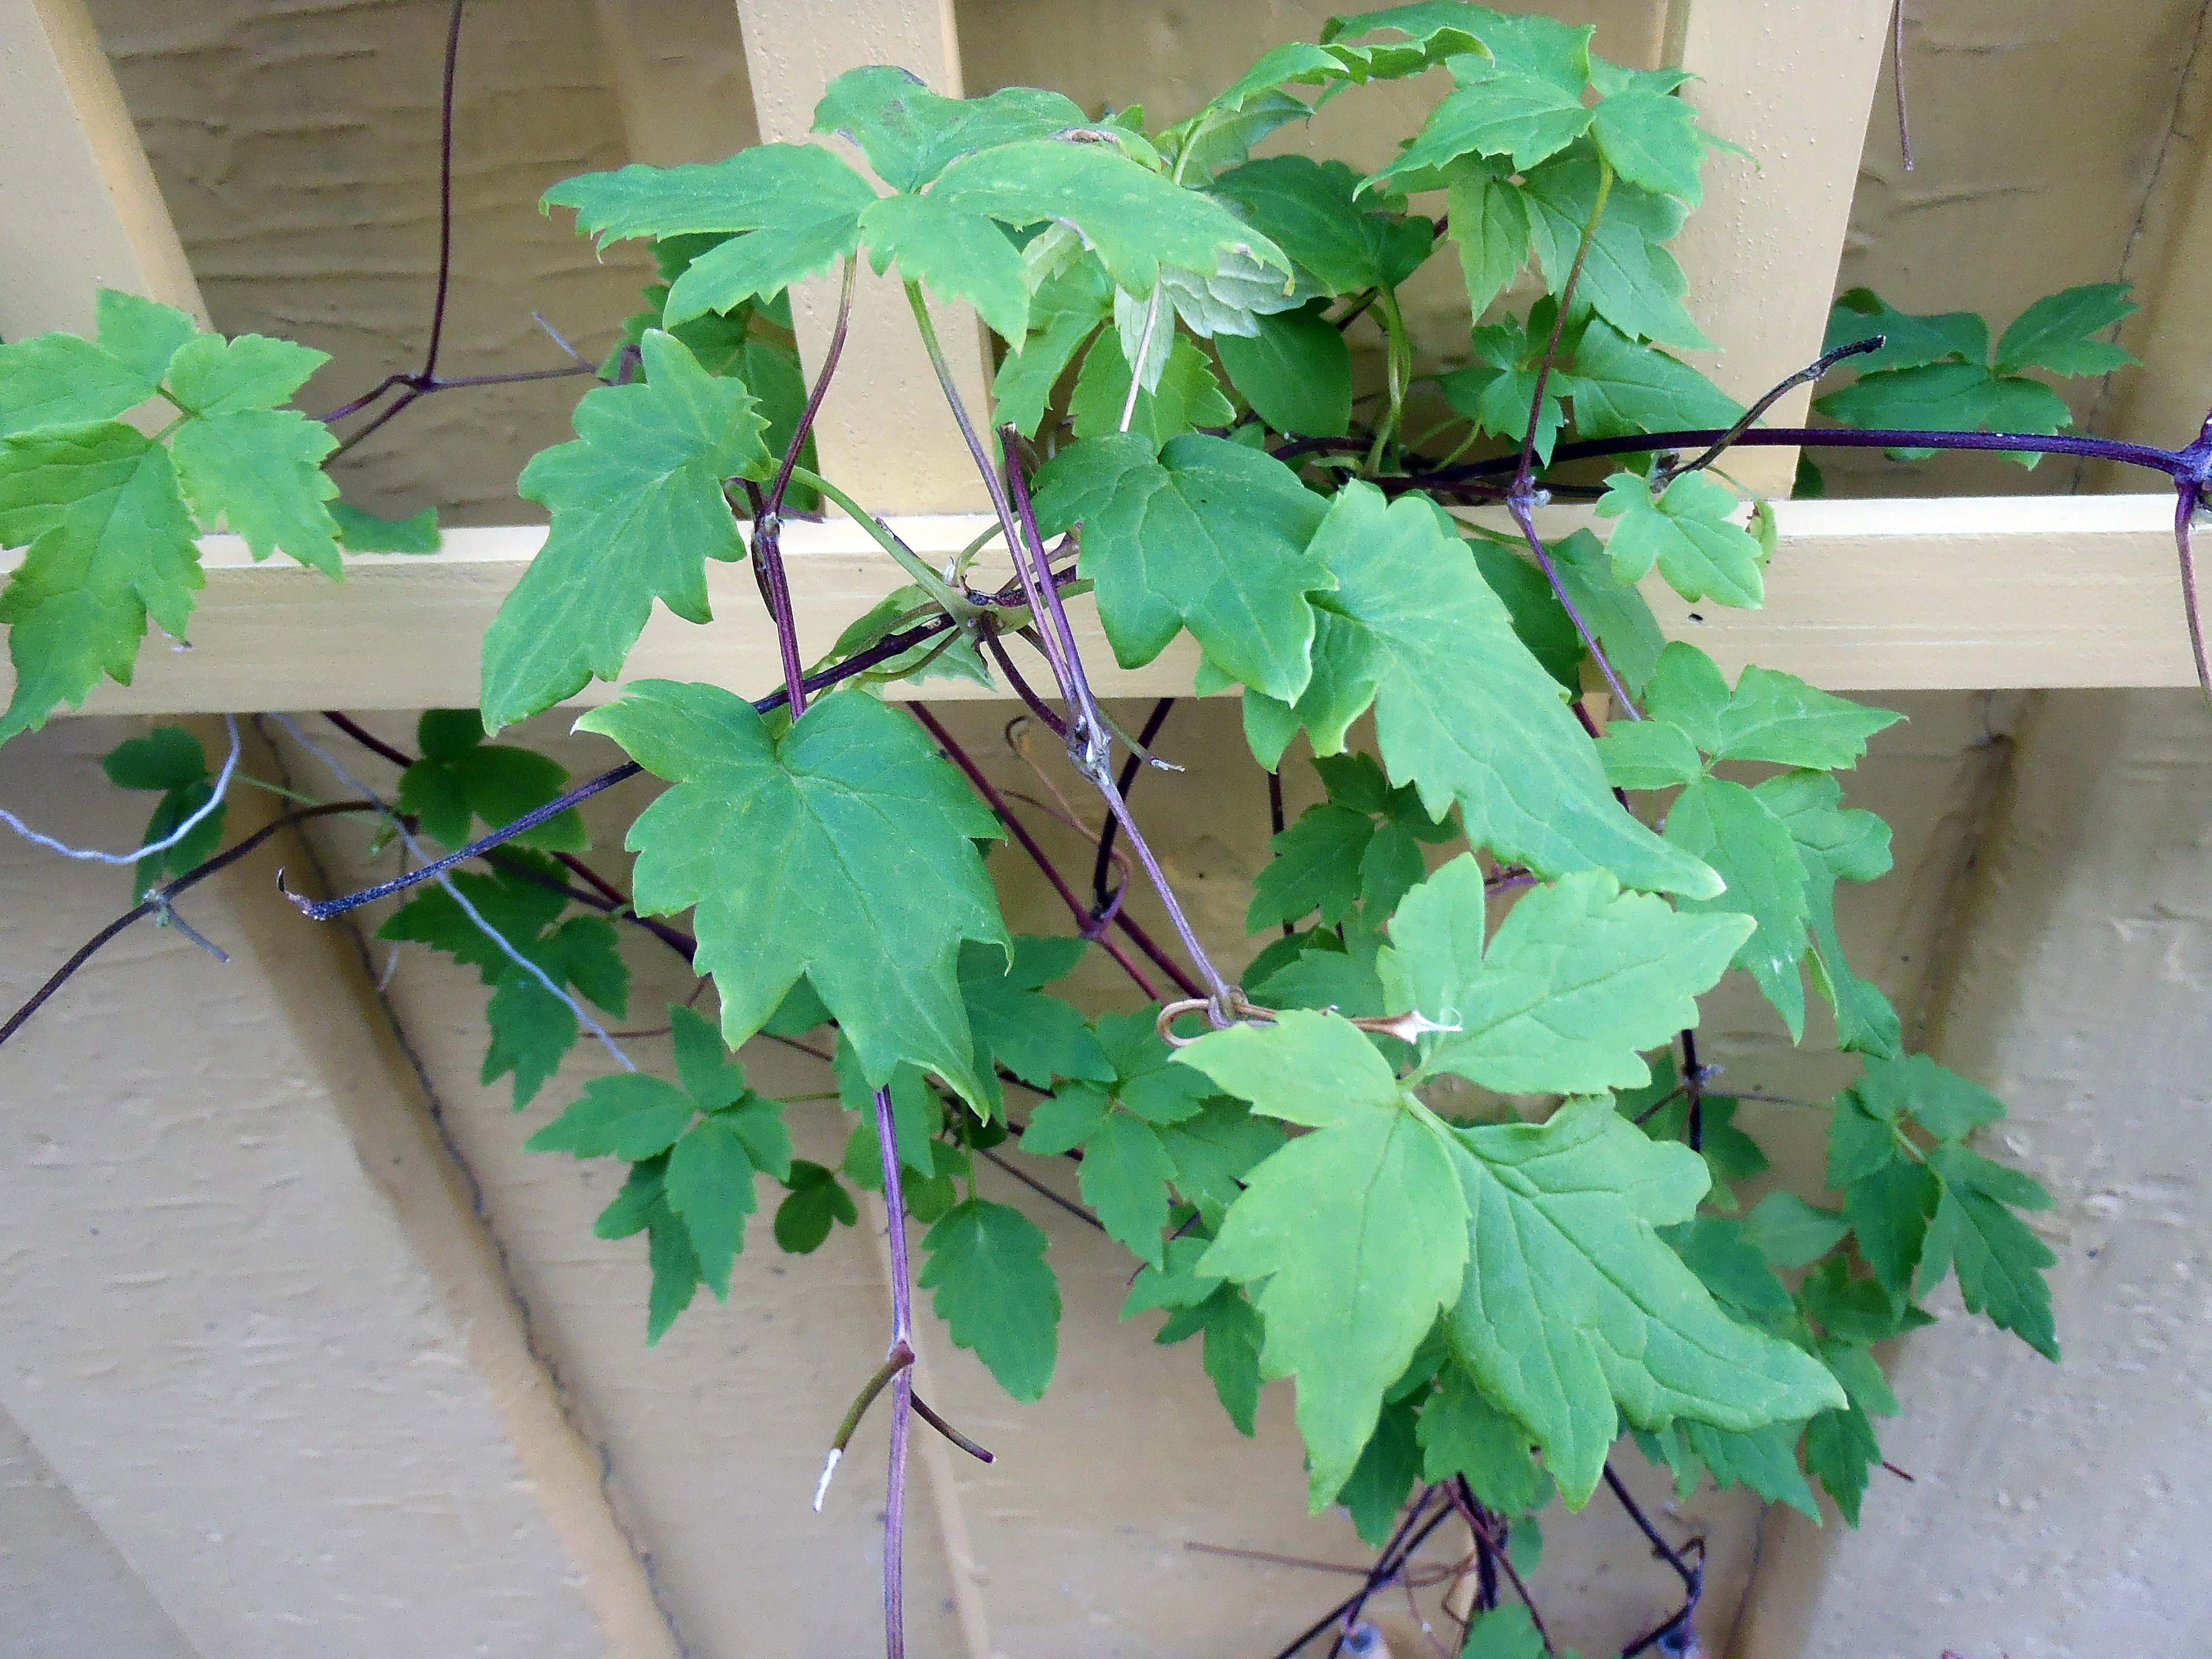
{"points": [[362, 532], [1124, 1179], [816, 1203], [1295, 371], [709, 1184], [629, 1114], [995, 1291], [1790, 1232], [1388, 1465], [2054, 333], [1463, 1433]]}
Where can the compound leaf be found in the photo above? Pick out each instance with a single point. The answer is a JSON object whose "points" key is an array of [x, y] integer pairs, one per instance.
{"points": [[1685, 530], [909, 133]]}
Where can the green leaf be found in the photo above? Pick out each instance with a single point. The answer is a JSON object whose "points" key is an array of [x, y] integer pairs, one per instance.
{"points": [[1124, 1179], [637, 510], [1064, 312], [1214, 1150], [780, 843], [1579, 978], [710, 1185], [1729, 828], [956, 255], [2054, 333], [363, 532], [994, 1289], [1034, 1036], [448, 791], [168, 759], [1841, 1452], [1621, 388], [1649, 754], [816, 1204], [1463, 1433], [1778, 717], [1834, 845], [1489, 224], [1462, 709], [1146, 1079], [1686, 531], [61, 380], [1187, 394], [1523, 117], [1295, 371], [1504, 1632], [629, 1114], [676, 1273], [1305, 1067], [909, 133], [1388, 1465], [1629, 278], [1889, 1210], [1539, 621], [1134, 220], [109, 545], [1859, 1143], [1310, 209], [261, 471], [1561, 1219], [1728, 1265], [2000, 1261], [1949, 1106], [1650, 138], [1067, 1120], [1209, 535], [1790, 1232], [801, 204], [1765, 1460], [1359, 1228], [1908, 342], [710, 1073], [1620, 616], [1315, 866], [632, 1210]]}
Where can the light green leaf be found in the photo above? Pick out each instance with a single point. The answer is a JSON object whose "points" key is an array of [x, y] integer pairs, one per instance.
{"points": [[1489, 224], [801, 204], [1733, 1268], [260, 470], [1647, 755], [1629, 277], [1949, 1106], [1778, 717], [1358, 1229], [995, 1290], [1999, 1261], [629, 1114], [1214, 1150], [1726, 826], [211, 376], [1188, 394], [1504, 1632], [1134, 220], [1524, 117], [144, 335], [1124, 1179], [61, 380], [710, 1185], [909, 133], [1579, 978], [109, 543], [778, 842], [1561, 1220], [956, 255], [1462, 709], [1650, 138], [638, 510], [1686, 531], [1210, 535], [1295, 371], [1306, 1068]]}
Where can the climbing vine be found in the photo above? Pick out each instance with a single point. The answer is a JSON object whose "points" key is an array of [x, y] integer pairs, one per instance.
{"points": [[1446, 1157]]}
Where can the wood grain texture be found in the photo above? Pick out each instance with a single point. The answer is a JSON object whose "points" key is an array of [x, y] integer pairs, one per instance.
{"points": [[1969, 593]]}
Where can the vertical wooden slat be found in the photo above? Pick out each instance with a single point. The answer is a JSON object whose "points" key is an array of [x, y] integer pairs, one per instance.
{"points": [[884, 431], [79, 209], [1793, 85]]}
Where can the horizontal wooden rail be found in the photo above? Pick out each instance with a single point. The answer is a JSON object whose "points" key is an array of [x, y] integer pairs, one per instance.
{"points": [[1965, 593]]}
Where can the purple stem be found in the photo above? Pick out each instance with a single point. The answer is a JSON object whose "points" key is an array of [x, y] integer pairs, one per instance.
{"points": [[445, 192], [902, 1387]]}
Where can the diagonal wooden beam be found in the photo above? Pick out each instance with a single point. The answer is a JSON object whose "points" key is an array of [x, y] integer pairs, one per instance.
{"points": [[79, 209], [1895, 595], [1793, 85], [884, 431]]}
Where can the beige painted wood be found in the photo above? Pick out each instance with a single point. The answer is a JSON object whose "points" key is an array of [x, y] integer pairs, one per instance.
{"points": [[884, 431], [1915, 595], [1793, 85], [679, 69], [79, 209], [251, 1320]]}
